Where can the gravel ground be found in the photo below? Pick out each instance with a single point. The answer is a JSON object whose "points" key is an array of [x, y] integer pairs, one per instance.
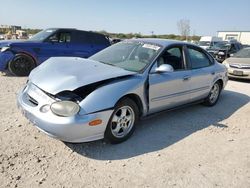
{"points": [[195, 146]]}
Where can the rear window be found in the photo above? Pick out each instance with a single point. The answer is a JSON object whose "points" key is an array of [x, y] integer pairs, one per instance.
{"points": [[99, 39], [82, 37], [90, 38], [198, 58]]}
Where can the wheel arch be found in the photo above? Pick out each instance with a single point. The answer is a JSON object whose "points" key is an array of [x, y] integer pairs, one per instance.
{"points": [[26, 54], [220, 81], [134, 97]]}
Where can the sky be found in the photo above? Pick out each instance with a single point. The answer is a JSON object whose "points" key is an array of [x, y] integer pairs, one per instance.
{"points": [[128, 16]]}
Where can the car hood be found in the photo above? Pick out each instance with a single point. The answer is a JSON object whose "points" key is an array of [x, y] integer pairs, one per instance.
{"points": [[235, 60], [16, 43], [69, 73], [9, 42]]}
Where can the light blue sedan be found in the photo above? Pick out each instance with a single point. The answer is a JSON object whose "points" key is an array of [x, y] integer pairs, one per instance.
{"points": [[80, 100]]}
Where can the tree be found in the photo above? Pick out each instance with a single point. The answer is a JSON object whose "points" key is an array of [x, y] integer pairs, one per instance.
{"points": [[184, 27]]}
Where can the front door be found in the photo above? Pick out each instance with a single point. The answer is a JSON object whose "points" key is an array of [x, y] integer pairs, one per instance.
{"points": [[57, 45], [169, 89]]}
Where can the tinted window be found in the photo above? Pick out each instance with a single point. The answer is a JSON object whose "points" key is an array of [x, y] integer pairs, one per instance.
{"points": [[233, 47], [82, 37], [61, 37], [198, 58], [98, 39], [64, 37], [238, 45]]}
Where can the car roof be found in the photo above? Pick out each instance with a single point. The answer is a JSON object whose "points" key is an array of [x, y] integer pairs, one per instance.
{"points": [[161, 42], [58, 28], [74, 29]]}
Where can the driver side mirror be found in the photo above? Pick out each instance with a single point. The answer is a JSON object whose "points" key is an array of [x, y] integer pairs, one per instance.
{"points": [[164, 68], [53, 39]]}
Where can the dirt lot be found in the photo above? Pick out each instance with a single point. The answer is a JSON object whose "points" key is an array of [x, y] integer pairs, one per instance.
{"points": [[192, 147]]}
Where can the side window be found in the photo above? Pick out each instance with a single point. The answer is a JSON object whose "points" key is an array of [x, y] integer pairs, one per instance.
{"points": [[64, 37], [233, 47], [238, 46], [198, 58], [173, 57], [60, 37], [82, 37]]}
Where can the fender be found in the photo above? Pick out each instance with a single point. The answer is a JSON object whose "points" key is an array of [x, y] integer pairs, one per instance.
{"points": [[17, 50], [107, 96]]}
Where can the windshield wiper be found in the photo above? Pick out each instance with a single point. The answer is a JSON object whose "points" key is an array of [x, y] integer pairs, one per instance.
{"points": [[107, 63]]}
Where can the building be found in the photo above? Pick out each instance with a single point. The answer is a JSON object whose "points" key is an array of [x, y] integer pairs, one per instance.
{"points": [[12, 28], [241, 36]]}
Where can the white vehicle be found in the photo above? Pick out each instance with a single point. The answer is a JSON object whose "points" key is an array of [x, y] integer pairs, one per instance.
{"points": [[209, 41], [1, 37]]}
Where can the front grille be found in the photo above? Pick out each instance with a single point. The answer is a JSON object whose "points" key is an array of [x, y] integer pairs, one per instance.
{"points": [[240, 66], [32, 100]]}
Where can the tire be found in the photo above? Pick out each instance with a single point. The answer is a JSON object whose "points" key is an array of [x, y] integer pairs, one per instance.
{"points": [[214, 95], [21, 65], [122, 122]]}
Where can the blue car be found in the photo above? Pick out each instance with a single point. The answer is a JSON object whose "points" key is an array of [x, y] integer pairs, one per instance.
{"points": [[20, 57]]}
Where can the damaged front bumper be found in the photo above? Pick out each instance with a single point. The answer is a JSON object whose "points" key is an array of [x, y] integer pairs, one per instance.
{"points": [[70, 129]]}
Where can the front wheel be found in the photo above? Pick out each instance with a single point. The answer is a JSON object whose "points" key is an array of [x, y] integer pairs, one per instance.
{"points": [[21, 65], [214, 94], [122, 122]]}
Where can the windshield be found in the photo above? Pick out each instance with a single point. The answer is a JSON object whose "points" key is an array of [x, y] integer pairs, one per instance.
{"points": [[221, 45], [244, 53], [129, 55], [204, 43], [42, 35]]}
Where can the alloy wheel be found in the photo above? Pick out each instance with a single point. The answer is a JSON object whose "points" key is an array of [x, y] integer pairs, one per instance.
{"points": [[122, 121], [214, 93]]}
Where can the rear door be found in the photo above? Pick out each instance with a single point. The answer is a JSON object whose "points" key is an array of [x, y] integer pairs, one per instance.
{"points": [[81, 45], [99, 42], [203, 72]]}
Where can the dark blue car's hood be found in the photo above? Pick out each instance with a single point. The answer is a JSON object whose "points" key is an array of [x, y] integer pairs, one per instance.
{"points": [[18, 43]]}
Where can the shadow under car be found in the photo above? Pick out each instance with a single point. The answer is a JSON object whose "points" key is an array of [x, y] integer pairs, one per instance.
{"points": [[162, 130]]}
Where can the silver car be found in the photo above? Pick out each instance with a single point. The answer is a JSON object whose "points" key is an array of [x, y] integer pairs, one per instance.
{"points": [[239, 65], [80, 100]]}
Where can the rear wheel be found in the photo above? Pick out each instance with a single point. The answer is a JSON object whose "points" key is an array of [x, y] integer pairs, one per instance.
{"points": [[122, 122], [214, 95], [21, 65]]}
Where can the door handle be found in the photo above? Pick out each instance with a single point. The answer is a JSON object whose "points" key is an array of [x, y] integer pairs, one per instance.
{"points": [[213, 73], [185, 78]]}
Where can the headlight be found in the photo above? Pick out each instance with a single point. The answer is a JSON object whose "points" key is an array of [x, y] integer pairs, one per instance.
{"points": [[3, 49], [221, 53], [65, 108], [226, 63]]}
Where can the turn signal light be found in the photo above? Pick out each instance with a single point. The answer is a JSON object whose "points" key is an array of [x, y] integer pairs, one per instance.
{"points": [[95, 122]]}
